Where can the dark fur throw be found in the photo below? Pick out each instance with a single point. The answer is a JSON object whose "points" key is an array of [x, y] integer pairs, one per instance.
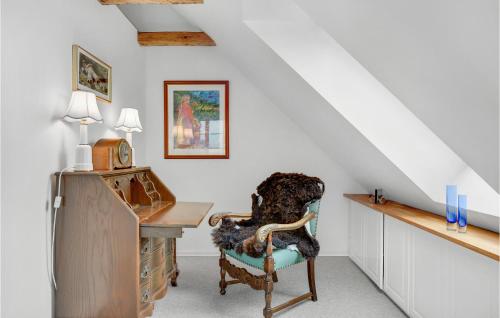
{"points": [[282, 198]]}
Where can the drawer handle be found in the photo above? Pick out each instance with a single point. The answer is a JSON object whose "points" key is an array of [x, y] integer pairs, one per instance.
{"points": [[145, 249], [145, 272], [145, 296]]}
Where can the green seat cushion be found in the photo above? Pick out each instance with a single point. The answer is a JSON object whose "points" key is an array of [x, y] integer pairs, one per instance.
{"points": [[282, 258]]}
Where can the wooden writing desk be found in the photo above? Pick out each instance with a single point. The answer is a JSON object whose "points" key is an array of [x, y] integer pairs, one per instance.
{"points": [[116, 242]]}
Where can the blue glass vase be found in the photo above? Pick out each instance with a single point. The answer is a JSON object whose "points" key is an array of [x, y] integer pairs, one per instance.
{"points": [[451, 207], [462, 213]]}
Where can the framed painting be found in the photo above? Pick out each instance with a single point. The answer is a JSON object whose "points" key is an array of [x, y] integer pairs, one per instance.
{"points": [[196, 119], [91, 74]]}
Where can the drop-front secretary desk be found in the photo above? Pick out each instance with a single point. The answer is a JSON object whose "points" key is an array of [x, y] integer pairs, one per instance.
{"points": [[115, 242]]}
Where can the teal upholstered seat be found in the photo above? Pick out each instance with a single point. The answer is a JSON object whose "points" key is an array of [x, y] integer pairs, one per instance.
{"points": [[282, 257]]}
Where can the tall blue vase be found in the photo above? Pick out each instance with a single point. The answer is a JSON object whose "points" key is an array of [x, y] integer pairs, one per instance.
{"points": [[462, 213], [451, 207]]}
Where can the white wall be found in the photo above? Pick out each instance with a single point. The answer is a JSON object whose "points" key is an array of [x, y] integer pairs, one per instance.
{"points": [[262, 140], [36, 58]]}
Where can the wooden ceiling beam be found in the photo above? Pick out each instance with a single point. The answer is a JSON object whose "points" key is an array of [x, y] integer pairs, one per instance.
{"points": [[174, 39], [107, 2]]}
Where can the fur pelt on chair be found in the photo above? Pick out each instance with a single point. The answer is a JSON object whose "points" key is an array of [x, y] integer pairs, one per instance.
{"points": [[282, 198]]}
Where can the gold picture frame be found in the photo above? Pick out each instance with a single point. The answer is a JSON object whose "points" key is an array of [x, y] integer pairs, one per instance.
{"points": [[91, 74]]}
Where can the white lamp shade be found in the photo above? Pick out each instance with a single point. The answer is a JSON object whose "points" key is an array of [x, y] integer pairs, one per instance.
{"points": [[129, 120], [83, 108]]}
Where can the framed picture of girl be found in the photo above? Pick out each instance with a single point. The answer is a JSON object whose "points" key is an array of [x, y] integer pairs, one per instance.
{"points": [[196, 119]]}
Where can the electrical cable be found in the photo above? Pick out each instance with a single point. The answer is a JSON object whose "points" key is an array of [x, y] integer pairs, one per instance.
{"points": [[57, 205]]}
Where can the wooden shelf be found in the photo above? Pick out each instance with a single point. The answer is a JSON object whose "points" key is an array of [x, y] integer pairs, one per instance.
{"points": [[476, 239]]}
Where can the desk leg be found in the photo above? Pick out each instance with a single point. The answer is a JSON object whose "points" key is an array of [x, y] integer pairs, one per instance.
{"points": [[176, 273]]}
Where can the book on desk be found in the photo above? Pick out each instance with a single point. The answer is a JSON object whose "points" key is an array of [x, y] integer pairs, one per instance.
{"points": [[115, 247]]}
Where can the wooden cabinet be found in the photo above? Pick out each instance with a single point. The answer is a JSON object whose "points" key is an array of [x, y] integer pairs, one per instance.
{"points": [[115, 242], [365, 240]]}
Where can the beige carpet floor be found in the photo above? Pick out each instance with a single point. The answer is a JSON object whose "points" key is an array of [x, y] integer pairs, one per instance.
{"points": [[343, 291]]}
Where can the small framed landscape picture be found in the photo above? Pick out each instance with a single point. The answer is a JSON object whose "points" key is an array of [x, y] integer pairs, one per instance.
{"points": [[196, 123], [91, 74]]}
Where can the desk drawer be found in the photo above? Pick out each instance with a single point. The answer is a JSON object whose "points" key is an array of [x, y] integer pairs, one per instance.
{"points": [[145, 246], [145, 269], [158, 257], [157, 241], [159, 279], [146, 292], [160, 232]]}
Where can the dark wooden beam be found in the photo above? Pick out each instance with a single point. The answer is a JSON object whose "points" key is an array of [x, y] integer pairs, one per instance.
{"points": [[150, 1], [174, 39]]}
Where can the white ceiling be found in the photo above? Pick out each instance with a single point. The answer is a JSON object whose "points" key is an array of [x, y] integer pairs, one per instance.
{"points": [[156, 18]]}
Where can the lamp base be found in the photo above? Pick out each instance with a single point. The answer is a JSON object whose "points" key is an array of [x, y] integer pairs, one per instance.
{"points": [[83, 158], [133, 157]]}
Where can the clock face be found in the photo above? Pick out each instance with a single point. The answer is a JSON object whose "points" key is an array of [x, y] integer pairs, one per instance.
{"points": [[123, 153]]}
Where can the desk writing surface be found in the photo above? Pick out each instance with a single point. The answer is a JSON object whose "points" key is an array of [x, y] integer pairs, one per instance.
{"points": [[179, 214]]}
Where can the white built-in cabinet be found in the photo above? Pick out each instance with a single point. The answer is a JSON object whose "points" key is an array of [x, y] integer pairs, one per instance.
{"points": [[425, 275], [449, 281], [366, 240], [397, 262]]}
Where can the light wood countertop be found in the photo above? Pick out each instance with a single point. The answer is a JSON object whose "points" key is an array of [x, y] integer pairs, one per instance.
{"points": [[476, 239]]}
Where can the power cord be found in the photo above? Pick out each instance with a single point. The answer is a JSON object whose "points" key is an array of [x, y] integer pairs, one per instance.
{"points": [[57, 205]]}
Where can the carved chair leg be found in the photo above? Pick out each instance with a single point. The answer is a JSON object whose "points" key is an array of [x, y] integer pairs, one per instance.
{"points": [[275, 277], [268, 280], [312, 279], [268, 289], [222, 283]]}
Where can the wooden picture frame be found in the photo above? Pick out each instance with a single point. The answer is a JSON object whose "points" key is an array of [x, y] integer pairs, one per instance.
{"points": [[196, 119], [91, 74]]}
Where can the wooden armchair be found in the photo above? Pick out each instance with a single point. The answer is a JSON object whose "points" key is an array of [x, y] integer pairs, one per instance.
{"points": [[273, 260]]}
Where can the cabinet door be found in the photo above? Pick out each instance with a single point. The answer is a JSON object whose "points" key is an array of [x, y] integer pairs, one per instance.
{"points": [[356, 234], [373, 248], [474, 284], [396, 263], [429, 277]]}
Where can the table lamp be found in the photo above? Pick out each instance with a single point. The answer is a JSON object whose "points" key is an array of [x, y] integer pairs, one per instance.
{"points": [[129, 122], [83, 109]]}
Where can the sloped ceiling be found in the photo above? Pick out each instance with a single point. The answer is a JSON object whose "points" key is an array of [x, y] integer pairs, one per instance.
{"points": [[440, 57], [367, 104], [304, 105]]}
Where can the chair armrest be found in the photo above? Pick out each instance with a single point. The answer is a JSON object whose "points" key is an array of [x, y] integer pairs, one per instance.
{"points": [[262, 232], [215, 219]]}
